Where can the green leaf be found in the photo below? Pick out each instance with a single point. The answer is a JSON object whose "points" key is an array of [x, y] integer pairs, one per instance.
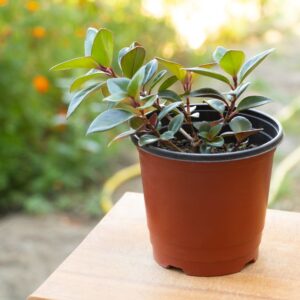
{"points": [[117, 85], [207, 92], [219, 53], [218, 141], [80, 81], [116, 97], [103, 47], [136, 83], [136, 123], [122, 136], [167, 135], [175, 68], [239, 123], [125, 50], [85, 62], [127, 107], [109, 119], [214, 131], [147, 139], [168, 109], [208, 65], [209, 73], [122, 52], [169, 95], [150, 69], [89, 39], [217, 105], [78, 97], [159, 76], [149, 100], [252, 63], [241, 89], [176, 123], [167, 83], [232, 61], [202, 126], [252, 101], [132, 61]]}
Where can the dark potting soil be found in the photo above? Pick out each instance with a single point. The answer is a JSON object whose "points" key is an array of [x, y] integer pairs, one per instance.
{"points": [[186, 147]]}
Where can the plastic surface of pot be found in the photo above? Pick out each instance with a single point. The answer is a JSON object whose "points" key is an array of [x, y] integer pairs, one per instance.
{"points": [[206, 213]]}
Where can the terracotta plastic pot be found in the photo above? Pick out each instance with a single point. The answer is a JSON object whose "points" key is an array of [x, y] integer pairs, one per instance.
{"points": [[206, 212]]}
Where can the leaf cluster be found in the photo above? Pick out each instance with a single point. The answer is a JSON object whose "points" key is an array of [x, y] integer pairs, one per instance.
{"points": [[140, 94]]}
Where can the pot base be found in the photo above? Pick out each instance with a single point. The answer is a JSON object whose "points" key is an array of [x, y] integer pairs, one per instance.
{"points": [[193, 268]]}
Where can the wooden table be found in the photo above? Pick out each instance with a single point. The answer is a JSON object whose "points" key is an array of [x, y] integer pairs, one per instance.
{"points": [[115, 262]]}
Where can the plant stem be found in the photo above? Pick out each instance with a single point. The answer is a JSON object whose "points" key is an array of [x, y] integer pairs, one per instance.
{"points": [[184, 133], [167, 143]]}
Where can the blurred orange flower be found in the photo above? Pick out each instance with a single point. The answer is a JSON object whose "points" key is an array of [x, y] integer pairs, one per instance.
{"points": [[38, 32], [32, 6], [80, 32], [3, 2], [41, 84]]}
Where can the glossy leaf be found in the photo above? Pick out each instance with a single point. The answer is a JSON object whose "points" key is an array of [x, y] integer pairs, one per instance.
{"points": [[78, 97], [132, 61], [243, 135], [210, 73], [217, 105], [136, 83], [148, 101], [202, 126], [207, 93], [89, 39], [219, 53], [167, 109], [147, 139], [136, 123], [214, 131], [252, 101], [85, 62], [122, 136], [218, 141], [239, 123], [150, 70], [169, 95], [116, 97], [103, 47], [167, 83], [127, 106], [104, 90], [109, 119], [232, 61], [80, 81], [208, 65], [159, 76], [167, 135], [117, 85], [241, 89], [176, 123], [125, 50], [175, 68], [252, 63]]}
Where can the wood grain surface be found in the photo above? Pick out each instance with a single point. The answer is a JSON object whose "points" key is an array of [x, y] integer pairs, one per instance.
{"points": [[115, 262]]}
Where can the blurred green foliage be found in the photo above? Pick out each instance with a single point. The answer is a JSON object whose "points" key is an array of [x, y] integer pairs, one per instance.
{"points": [[46, 163], [41, 156]]}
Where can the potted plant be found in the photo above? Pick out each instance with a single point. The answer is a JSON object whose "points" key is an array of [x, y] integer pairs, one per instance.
{"points": [[205, 167]]}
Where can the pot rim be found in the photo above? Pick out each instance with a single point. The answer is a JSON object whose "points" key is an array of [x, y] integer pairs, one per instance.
{"points": [[227, 156]]}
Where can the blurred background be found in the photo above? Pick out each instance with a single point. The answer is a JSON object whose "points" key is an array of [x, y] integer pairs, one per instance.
{"points": [[51, 174]]}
